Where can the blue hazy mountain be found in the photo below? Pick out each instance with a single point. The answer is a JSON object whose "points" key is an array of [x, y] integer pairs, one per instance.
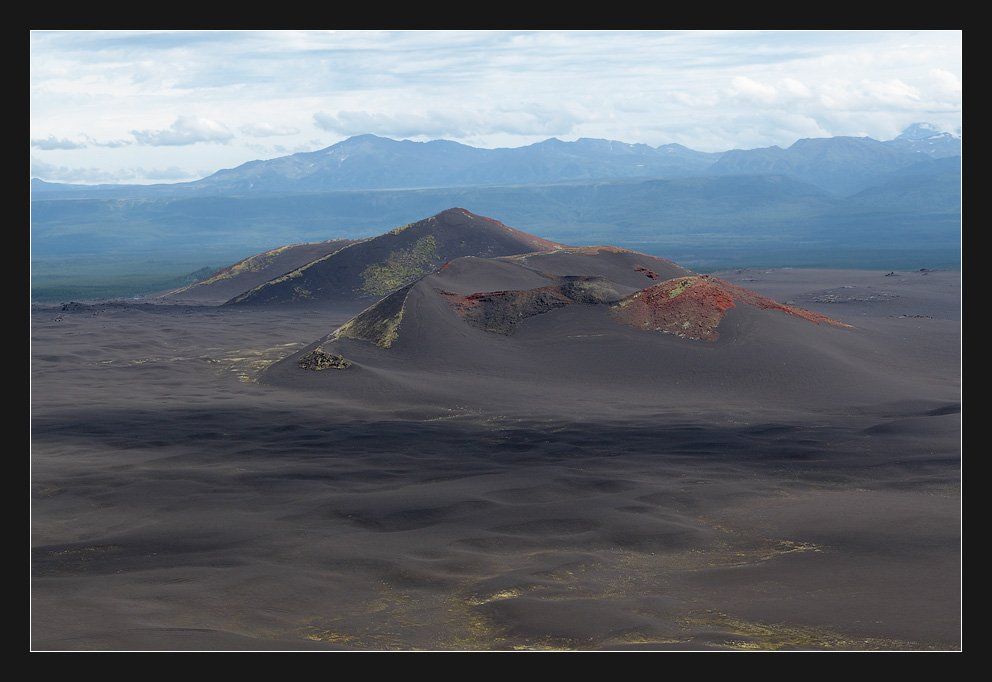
{"points": [[842, 165], [372, 162], [928, 139], [923, 188], [837, 202], [733, 215]]}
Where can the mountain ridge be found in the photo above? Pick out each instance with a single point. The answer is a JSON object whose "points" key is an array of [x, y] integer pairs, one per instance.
{"points": [[373, 162], [376, 267]]}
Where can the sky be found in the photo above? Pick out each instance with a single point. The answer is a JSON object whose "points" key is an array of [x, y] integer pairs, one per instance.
{"points": [[142, 107]]}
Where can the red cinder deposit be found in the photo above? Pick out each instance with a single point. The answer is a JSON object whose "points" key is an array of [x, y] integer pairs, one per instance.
{"points": [[692, 307]]}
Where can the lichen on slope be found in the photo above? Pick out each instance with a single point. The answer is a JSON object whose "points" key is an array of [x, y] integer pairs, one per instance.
{"points": [[401, 267], [378, 324], [298, 291]]}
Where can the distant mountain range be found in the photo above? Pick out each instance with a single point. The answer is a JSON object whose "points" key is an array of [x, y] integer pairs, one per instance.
{"points": [[836, 202], [840, 165]]}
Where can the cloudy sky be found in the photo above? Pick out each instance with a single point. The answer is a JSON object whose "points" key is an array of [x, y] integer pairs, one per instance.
{"points": [[167, 106]]}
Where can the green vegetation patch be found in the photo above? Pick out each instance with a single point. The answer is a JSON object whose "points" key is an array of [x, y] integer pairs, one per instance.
{"points": [[746, 635], [401, 268], [680, 287], [250, 264], [298, 291], [380, 331], [378, 324]]}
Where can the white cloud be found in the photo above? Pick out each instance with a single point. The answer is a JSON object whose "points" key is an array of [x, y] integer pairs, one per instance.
{"points": [[454, 123], [892, 93], [51, 142], [170, 173], [751, 90], [706, 90], [89, 176], [795, 88], [183, 131], [696, 99], [947, 83], [110, 144], [268, 130]]}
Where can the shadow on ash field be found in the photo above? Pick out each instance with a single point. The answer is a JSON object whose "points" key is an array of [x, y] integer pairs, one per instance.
{"points": [[179, 504]]}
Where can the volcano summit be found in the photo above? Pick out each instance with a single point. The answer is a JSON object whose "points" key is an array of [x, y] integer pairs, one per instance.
{"points": [[560, 328], [372, 268]]}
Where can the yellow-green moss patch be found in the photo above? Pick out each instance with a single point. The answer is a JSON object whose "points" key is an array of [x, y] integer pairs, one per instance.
{"points": [[400, 268], [378, 324]]}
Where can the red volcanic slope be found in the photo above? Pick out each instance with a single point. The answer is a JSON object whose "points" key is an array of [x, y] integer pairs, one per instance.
{"points": [[692, 307]]}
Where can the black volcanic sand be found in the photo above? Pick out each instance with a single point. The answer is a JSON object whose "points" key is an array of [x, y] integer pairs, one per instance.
{"points": [[178, 502]]}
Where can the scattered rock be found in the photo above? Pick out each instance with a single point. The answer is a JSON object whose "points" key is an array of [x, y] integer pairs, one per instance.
{"points": [[847, 294], [500, 311], [650, 274], [318, 360]]}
